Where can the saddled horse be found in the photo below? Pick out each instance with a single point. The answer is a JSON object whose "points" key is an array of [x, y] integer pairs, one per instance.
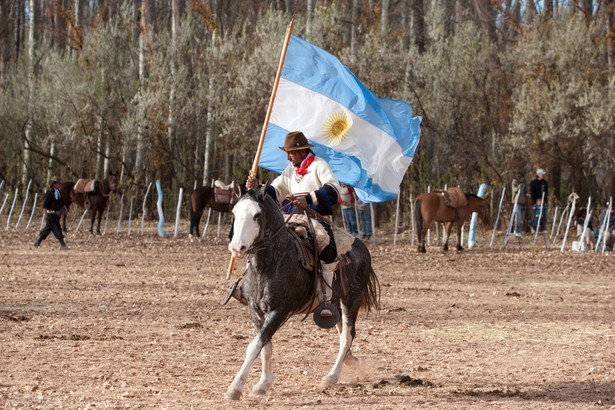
{"points": [[205, 197], [430, 207], [96, 201], [277, 286]]}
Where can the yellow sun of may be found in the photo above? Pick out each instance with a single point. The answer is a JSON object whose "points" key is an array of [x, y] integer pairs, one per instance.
{"points": [[336, 127]]}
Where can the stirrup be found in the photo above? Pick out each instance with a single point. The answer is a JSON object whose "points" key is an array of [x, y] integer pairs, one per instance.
{"points": [[325, 322]]}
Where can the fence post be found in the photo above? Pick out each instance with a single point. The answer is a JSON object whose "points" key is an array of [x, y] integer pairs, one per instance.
{"points": [[143, 207], [177, 212], [472, 231], [160, 211]]}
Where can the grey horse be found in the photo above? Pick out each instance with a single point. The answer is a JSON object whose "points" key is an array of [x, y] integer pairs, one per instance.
{"points": [[276, 286]]}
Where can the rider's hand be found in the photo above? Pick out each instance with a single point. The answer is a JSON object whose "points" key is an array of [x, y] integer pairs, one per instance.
{"points": [[251, 182], [300, 202]]}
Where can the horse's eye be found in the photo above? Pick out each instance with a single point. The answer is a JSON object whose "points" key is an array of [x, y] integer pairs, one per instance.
{"points": [[258, 215]]}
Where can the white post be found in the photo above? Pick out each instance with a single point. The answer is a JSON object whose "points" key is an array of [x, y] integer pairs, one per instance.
{"points": [[373, 220], [219, 218], [553, 223], [428, 241], [588, 215], [8, 218], [607, 220], [561, 220], [178, 211], [130, 213], [482, 189], [33, 210], [160, 210], [119, 218], [570, 216], [497, 218], [513, 218], [81, 220], [396, 221], [143, 207], [6, 196], [23, 206]]}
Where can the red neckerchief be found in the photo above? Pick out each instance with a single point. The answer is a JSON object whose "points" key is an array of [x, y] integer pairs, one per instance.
{"points": [[302, 169]]}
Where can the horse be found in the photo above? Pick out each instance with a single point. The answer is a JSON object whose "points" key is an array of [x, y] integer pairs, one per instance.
{"points": [[277, 286], [430, 207], [96, 201], [204, 197]]}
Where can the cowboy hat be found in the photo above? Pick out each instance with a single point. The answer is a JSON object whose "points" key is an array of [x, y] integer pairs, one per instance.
{"points": [[295, 141]]}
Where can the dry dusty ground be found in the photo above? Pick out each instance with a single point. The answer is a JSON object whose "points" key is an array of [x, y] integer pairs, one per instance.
{"points": [[136, 323]]}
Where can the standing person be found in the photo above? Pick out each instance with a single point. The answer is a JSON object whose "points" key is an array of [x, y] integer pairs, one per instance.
{"points": [[308, 182], [365, 216], [53, 206], [609, 231], [518, 188], [537, 187], [348, 212]]}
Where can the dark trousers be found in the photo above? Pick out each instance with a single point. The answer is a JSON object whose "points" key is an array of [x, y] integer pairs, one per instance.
{"points": [[329, 253], [52, 225]]}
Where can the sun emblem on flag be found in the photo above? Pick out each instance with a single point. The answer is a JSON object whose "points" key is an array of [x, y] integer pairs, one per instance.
{"points": [[336, 127]]}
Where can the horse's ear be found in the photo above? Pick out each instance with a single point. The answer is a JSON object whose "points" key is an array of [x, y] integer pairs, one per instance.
{"points": [[264, 188]]}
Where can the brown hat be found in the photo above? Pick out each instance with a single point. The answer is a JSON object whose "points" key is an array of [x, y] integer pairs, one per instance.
{"points": [[295, 141], [55, 179]]}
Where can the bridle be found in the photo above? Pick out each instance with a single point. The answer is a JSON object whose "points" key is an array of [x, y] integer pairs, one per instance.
{"points": [[108, 183]]}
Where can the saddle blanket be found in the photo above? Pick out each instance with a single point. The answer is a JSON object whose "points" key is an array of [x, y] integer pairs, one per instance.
{"points": [[85, 186], [225, 194], [454, 197]]}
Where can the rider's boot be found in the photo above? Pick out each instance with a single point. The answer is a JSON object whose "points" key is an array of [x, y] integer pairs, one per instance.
{"points": [[328, 271]]}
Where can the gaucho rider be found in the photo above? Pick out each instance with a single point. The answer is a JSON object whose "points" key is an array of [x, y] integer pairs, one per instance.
{"points": [[308, 182]]}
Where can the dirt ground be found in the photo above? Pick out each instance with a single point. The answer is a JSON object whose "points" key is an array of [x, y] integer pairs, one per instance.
{"points": [[136, 323]]}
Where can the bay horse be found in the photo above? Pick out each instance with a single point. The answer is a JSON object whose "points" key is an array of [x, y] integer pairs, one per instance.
{"points": [[96, 201], [430, 207], [205, 197], [277, 286]]}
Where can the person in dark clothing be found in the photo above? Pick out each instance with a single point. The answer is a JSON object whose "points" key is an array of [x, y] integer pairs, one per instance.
{"points": [[538, 186], [53, 205]]}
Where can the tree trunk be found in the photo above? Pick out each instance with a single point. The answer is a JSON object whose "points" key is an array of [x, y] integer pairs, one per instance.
{"points": [[609, 14], [354, 25], [309, 15], [384, 18], [486, 14], [418, 24], [25, 175]]}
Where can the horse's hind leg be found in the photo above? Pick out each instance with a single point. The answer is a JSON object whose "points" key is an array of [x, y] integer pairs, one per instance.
{"points": [[447, 229], [347, 333], [459, 247], [266, 374]]}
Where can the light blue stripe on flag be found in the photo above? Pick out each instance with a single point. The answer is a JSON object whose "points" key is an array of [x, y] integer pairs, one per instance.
{"points": [[368, 141]]}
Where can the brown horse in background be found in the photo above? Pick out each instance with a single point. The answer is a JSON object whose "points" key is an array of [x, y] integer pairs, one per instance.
{"points": [[205, 197], [96, 202], [430, 207]]}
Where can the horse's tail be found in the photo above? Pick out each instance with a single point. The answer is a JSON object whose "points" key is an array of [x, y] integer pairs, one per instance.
{"points": [[193, 223], [418, 218], [371, 293]]}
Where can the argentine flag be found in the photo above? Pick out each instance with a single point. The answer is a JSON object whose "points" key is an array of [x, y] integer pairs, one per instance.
{"points": [[368, 141]]}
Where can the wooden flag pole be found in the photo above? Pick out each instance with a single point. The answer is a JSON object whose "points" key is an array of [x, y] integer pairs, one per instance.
{"points": [[261, 142]]}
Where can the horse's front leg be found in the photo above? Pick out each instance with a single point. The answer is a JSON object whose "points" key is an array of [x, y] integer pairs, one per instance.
{"points": [[347, 333], [92, 220], [459, 225], [262, 340], [447, 229], [266, 379], [99, 219]]}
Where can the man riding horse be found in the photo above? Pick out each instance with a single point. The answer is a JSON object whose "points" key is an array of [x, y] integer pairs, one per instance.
{"points": [[308, 182]]}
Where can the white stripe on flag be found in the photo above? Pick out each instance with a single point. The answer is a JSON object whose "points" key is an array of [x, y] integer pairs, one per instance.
{"points": [[380, 155]]}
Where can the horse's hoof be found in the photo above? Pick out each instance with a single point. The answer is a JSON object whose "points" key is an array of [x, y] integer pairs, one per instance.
{"points": [[327, 382], [459, 248], [232, 395], [258, 391], [445, 248]]}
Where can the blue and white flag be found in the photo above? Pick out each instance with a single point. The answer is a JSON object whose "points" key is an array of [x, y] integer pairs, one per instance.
{"points": [[368, 141]]}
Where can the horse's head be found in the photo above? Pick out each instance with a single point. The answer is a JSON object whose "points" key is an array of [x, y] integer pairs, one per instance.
{"points": [[113, 182], [248, 215], [485, 213]]}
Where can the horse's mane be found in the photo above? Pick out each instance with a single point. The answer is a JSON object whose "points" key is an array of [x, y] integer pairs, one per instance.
{"points": [[470, 195]]}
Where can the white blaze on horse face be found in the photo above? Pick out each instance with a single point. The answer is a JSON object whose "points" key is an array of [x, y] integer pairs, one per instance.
{"points": [[245, 227]]}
